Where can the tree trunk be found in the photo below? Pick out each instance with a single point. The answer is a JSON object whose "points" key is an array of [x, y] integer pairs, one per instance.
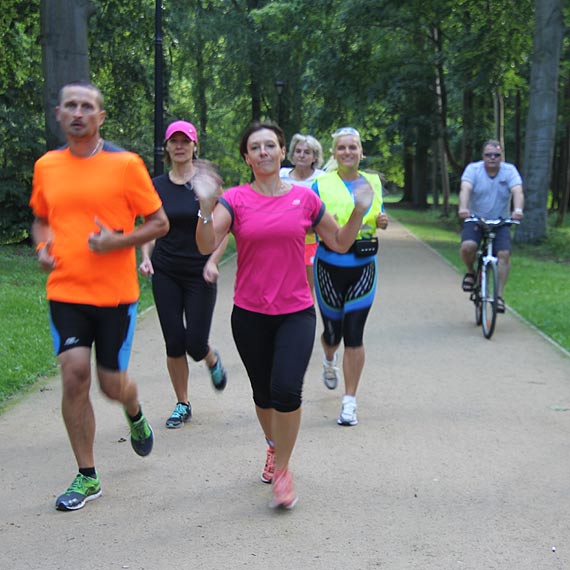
{"points": [[441, 98], [541, 121], [499, 114], [201, 81], [563, 170], [407, 197], [468, 127], [565, 190], [518, 128], [255, 63], [421, 175], [445, 189], [65, 56], [434, 172]]}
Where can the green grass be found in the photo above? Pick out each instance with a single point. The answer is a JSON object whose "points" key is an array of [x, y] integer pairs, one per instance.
{"points": [[26, 350], [539, 282], [25, 342]]}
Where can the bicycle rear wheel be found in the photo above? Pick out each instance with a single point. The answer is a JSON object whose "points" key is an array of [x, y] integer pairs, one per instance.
{"points": [[489, 287]]}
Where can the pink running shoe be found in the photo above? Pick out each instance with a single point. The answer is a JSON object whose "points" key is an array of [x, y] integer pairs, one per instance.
{"points": [[269, 469], [283, 493]]}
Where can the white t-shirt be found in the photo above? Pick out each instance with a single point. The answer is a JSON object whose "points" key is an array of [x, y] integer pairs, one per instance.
{"points": [[285, 175]]}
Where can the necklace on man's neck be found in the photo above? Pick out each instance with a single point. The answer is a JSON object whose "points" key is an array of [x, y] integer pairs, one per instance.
{"points": [[97, 148]]}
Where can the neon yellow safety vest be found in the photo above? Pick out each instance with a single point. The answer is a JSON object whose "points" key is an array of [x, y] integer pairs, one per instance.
{"points": [[339, 202]]}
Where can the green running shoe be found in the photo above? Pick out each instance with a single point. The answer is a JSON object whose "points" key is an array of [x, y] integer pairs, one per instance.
{"points": [[82, 489], [218, 374], [142, 436]]}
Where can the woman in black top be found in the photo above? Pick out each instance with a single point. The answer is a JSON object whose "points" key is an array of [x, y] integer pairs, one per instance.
{"points": [[183, 280]]}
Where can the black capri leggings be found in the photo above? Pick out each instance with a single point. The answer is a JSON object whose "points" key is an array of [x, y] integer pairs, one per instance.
{"points": [[275, 350], [185, 307]]}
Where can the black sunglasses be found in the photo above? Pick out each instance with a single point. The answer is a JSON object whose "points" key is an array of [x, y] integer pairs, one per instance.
{"points": [[492, 154]]}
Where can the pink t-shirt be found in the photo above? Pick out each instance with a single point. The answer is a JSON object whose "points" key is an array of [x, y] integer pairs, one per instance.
{"points": [[270, 241]]}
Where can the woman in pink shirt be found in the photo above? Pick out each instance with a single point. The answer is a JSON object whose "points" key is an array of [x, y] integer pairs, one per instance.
{"points": [[273, 319]]}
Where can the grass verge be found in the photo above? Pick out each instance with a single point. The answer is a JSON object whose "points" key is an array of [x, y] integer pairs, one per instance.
{"points": [[26, 350], [539, 281]]}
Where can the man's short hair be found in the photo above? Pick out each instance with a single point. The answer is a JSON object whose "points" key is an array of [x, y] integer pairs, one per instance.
{"points": [[86, 85], [490, 142]]}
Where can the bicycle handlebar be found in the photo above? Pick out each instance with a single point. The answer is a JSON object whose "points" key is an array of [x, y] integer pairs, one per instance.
{"points": [[492, 224]]}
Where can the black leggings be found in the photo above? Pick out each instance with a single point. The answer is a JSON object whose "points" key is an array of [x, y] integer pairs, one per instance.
{"points": [[275, 350], [185, 307]]}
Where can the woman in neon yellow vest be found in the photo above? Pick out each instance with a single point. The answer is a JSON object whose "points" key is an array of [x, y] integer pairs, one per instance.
{"points": [[345, 283]]}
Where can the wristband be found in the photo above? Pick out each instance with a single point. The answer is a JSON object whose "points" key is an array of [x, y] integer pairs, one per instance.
{"points": [[518, 211], [40, 246]]}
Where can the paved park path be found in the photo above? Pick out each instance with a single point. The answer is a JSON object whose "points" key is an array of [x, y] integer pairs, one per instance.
{"points": [[460, 461]]}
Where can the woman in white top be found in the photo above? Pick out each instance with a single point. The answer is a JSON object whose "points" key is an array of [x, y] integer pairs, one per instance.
{"points": [[306, 156]]}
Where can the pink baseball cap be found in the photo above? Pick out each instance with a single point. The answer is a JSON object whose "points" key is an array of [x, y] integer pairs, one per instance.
{"points": [[183, 127]]}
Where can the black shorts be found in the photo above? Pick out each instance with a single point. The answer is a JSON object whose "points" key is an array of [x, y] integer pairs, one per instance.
{"points": [[110, 328]]}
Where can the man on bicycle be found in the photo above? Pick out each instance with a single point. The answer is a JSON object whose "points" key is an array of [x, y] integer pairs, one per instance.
{"points": [[486, 189]]}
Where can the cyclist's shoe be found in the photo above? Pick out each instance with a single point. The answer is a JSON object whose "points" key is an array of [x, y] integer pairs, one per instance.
{"points": [[269, 469], [500, 305], [218, 374], [283, 493], [181, 414], [468, 282], [331, 374], [82, 490], [347, 415], [142, 436]]}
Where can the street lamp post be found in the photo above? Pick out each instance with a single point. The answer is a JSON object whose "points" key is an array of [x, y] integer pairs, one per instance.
{"points": [[158, 89], [280, 86]]}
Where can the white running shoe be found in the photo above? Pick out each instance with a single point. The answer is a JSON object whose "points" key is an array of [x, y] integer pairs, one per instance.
{"points": [[331, 374], [348, 413]]}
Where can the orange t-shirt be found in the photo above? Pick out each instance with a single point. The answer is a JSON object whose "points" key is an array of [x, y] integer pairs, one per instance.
{"points": [[70, 192]]}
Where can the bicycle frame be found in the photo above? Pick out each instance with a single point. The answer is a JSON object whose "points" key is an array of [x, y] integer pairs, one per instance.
{"points": [[485, 290]]}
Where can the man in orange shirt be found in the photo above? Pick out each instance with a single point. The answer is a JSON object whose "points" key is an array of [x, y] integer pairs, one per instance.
{"points": [[86, 197]]}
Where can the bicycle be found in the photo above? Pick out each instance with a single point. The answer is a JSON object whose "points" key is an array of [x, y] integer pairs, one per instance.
{"points": [[484, 294]]}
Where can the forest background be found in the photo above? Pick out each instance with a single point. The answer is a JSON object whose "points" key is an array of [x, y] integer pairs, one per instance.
{"points": [[426, 82]]}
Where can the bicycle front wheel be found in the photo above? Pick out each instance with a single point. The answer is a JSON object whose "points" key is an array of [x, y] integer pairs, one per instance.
{"points": [[489, 288], [476, 295]]}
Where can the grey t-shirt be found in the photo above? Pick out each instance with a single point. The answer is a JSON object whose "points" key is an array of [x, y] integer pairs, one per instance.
{"points": [[491, 197]]}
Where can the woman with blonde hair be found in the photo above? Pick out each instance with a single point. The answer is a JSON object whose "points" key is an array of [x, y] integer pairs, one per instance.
{"points": [[306, 156], [345, 283]]}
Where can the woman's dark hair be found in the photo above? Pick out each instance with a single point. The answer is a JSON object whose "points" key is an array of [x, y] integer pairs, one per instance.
{"points": [[258, 126]]}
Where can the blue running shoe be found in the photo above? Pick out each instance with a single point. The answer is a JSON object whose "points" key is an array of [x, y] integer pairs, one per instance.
{"points": [[181, 414], [142, 436], [218, 374], [82, 490]]}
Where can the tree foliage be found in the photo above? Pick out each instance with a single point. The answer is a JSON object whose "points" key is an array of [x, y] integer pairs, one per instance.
{"points": [[425, 82]]}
